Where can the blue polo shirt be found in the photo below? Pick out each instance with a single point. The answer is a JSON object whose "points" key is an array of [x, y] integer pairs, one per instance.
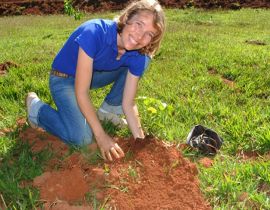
{"points": [[98, 39]]}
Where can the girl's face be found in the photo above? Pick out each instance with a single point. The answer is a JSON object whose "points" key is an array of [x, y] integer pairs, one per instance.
{"points": [[138, 32]]}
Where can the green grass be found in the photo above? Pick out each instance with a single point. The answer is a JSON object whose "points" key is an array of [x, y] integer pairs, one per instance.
{"points": [[238, 178], [18, 168], [196, 41]]}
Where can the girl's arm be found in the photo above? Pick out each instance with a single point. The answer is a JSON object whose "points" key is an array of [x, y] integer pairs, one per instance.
{"points": [[84, 72], [130, 107]]}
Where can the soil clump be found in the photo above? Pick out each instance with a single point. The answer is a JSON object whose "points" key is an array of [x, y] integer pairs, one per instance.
{"points": [[5, 66]]}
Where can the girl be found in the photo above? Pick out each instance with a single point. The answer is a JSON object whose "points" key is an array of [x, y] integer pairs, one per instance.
{"points": [[98, 53]]}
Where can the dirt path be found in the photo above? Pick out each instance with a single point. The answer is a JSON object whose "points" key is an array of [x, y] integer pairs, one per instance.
{"points": [[152, 175]]}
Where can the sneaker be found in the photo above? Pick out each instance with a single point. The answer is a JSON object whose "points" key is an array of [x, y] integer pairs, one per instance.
{"points": [[115, 119], [28, 101]]}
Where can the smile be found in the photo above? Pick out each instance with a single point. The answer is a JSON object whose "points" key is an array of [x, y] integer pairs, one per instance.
{"points": [[132, 40]]}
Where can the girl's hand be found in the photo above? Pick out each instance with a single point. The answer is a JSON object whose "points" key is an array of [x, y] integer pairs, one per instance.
{"points": [[84, 72], [108, 148]]}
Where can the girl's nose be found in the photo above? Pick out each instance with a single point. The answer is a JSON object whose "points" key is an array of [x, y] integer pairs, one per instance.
{"points": [[140, 35]]}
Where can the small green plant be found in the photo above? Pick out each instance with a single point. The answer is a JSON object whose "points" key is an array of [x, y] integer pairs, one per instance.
{"points": [[169, 168], [71, 11], [106, 168], [158, 113], [91, 198], [132, 172], [129, 155], [92, 156]]}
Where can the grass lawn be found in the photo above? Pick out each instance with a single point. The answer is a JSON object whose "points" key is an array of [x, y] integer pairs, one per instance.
{"points": [[212, 69]]}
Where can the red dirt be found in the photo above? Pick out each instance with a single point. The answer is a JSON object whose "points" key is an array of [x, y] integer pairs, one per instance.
{"points": [[153, 175], [250, 204], [206, 162], [39, 7], [228, 82], [5, 66], [252, 155], [52, 185]]}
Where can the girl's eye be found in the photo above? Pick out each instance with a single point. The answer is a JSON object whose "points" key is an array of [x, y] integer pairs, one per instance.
{"points": [[139, 24], [150, 35]]}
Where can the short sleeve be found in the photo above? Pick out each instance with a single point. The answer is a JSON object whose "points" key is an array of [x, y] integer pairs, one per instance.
{"points": [[139, 64], [89, 39]]}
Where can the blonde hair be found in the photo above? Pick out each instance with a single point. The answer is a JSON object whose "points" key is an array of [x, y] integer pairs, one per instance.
{"points": [[153, 7]]}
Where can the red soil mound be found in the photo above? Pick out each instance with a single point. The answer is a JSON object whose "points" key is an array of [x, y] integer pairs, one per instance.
{"points": [[152, 175]]}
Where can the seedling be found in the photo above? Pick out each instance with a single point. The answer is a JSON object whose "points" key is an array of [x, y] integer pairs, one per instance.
{"points": [[106, 168], [93, 157], [71, 11], [129, 155], [169, 168], [132, 172]]}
